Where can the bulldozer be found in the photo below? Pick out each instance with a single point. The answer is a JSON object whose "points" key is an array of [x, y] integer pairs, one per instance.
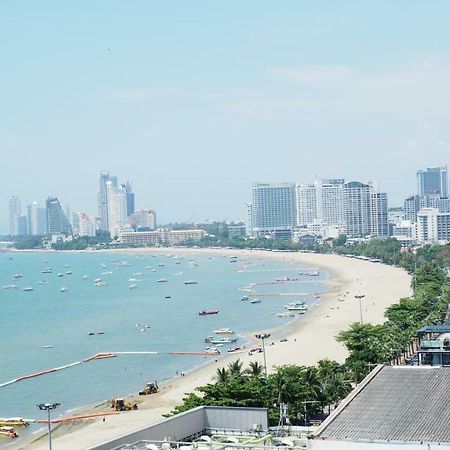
{"points": [[120, 404], [150, 388]]}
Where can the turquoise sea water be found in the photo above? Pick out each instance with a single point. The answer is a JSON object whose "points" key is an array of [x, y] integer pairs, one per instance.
{"points": [[47, 317]]}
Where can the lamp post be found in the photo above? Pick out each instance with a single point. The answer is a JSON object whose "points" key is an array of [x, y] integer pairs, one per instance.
{"points": [[360, 297], [263, 337], [48, 407]]}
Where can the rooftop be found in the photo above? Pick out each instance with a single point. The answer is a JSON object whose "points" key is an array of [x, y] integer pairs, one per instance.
{"points": [[397, 404]]}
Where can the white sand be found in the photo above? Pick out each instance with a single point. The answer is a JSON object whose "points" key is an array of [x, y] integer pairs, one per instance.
{"points": [[310, 339]]}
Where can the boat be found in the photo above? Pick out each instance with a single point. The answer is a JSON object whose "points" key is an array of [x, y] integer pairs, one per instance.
{"points": [[27, 289], [60, 275], [69, 272], [47, 346], [84, 277], [162, 280], [137, 274], [132, 286], [15, 421], [206, 312], [161, 265], [244, 298], [255, 300], [233, 349], [47, 270], [63, 289], [301, 307], [100, 332], [17, 276], [8, 432], [42, 282], [168, 296], [99, 283], [191, 282], [223, 331], [91, 333], [310, 273], [107, 273], [286, 314], [220, 340], [10, 286]]}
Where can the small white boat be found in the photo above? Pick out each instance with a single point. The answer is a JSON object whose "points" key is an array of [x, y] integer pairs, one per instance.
{"points": [[191, 282], [132, 286], [84, 277], [47, 270], [100, 332], [43, 282], [10, 286], [60, 275], [99, 283], [17, 276], [97, 280], [69, 272], [107, 273], [223, 331], [300, 307], [48, 346], [27, 289], [63, 289], [137, 274], [162, 280], [255, 300], [244, 298]]}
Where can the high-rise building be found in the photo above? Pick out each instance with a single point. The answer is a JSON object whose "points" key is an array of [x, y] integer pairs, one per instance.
{"points": [[37, 220], [130, 198], [143, 220], [248, 219], [117, 208], [433, 182], [379, 225], [83, 224], [57, 222], [15, 211], [330, 201], [22, 222], [357, 209], [432, 226], [273, 207], [306, 204], [411, 207], [105, 178]]}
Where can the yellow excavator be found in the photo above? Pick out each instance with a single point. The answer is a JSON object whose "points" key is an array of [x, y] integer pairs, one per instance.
{"points": [[150, 388], [120, 404]]}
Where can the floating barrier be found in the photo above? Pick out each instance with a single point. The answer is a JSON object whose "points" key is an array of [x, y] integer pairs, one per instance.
{"points": [[103, 355]]}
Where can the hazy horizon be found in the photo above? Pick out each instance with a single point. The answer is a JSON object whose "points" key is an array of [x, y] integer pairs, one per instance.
{"points": [[194, 101]]}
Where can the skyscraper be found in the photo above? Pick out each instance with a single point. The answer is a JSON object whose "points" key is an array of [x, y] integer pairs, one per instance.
{"points": [[130, 198], [15, 211], [379, 225], [83, 224], [143, 219], [330, 201], [433, 182], [105, 177], [273, 207], [117, 207], [37, 220], [356, 209], [306, 204], [57, 222]]}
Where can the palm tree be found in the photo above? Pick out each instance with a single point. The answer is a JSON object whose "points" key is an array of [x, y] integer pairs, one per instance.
{"points": [[280, 385], [235, 369], [222, 375], [255, 370]]}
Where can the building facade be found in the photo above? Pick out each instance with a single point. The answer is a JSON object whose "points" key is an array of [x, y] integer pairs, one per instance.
{"points": [[330, 201], [379, 225], [83, 224], [433, 182], [357, 209], [433, 226], [143, 219], [37, 220], [102, 198], [273, 207], [57, 222], [15, 211], [306, 204]]}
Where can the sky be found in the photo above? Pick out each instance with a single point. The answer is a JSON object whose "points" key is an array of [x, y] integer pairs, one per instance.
{"points": [[193, 101]]}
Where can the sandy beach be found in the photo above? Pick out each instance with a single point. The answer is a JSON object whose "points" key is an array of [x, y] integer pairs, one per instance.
{"points": [[309, 339]]}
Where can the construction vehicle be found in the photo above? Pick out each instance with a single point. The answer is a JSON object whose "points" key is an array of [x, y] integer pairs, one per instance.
{"points": [[150, 388], [120, 404]]}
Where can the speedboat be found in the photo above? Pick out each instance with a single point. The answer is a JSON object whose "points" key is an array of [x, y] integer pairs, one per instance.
{"points": [[47, 270], [162, 280], [63, 289], [191, 282], [69, 272], [244, 298], [223, 331], [220, 340], [132, 286], [301, 307], [10, 286], [208, 312], [255, 300], [27, 289], [17, 276], [60, 275]]}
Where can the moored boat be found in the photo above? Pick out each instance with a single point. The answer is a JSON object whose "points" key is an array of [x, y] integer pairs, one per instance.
{"points": [[208, 312], [191, 282], [301, 307], [223, 331], [27, 289]]}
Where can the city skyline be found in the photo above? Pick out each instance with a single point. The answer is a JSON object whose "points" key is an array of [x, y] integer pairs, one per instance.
{"points": [[182, 98]]}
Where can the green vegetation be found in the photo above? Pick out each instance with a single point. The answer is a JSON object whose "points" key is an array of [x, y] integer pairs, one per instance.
{"points": [[321, 386]]}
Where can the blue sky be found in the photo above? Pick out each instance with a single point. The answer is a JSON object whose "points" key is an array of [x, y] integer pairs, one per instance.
{"points": [[192, 101]]}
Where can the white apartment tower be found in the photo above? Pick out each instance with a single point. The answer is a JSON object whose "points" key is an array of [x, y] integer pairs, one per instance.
{"points": [[248, 219], [432, 226], [306, 204], [357, 209], [15, 211], [117, 207], [379, 215], [37, 220], [330, 201]]}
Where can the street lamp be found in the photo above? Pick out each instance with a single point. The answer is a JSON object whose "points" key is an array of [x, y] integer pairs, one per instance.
{"points": [[263, 337], [360, 297], [48, 407]]}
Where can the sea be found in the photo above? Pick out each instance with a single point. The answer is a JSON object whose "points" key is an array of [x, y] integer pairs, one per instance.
{"points": [[66, 318]]}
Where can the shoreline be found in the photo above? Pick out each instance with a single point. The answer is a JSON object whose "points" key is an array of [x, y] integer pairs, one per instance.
{"points": [[311, 337]]}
